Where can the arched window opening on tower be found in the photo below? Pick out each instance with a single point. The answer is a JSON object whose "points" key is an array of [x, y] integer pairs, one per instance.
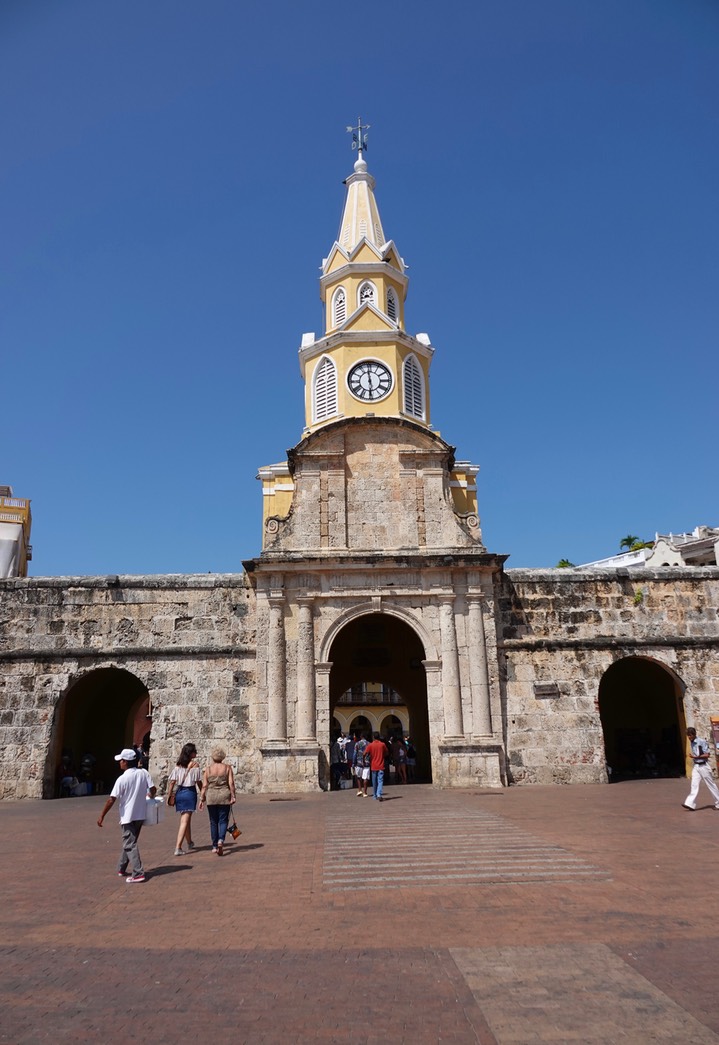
{"points": [[324, 390], [366, 295], [339, 307], [413, 384], [392, 305]]}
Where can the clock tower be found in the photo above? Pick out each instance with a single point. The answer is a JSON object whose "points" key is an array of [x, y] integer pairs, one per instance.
{"points": [[365, 363], [365, 368]]}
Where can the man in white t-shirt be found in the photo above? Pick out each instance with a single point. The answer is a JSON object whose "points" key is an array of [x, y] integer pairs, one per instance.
{"points": [[133, 787]]}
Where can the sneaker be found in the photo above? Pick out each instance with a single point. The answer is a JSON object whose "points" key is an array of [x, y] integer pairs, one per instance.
{"points": [[219, 848], [134, 878], [359, 794], [214, 849], [122, 874], [179, 852], [190, 846]]}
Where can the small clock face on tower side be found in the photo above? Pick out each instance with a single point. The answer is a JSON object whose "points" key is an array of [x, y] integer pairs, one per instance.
{"points": [[370, 381]]}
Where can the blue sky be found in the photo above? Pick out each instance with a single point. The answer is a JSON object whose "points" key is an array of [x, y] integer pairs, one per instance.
{"points": [[171, 178]]}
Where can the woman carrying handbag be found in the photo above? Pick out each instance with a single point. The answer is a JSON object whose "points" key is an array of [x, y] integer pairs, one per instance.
{"points": [[218, 793]]}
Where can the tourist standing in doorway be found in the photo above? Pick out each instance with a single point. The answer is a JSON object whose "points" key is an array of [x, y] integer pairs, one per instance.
{"points": [[411, 760], [360, 766], [399, 757], [185, 783], [218, 793], [133, 787], [336, 768], [376, 752], [701, 770]]}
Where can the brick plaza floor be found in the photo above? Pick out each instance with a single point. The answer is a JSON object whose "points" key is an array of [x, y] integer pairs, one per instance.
{"points": [[570, 914]]}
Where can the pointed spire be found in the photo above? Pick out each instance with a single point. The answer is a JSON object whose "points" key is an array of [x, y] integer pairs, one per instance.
{"points": [[360, 218]]}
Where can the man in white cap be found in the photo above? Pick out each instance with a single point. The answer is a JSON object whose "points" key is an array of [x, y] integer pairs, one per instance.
{"points": [[701, 771], [133, 787]]}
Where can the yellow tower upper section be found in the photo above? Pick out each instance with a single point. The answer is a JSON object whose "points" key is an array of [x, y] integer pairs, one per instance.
{"points": [[365, 364]]}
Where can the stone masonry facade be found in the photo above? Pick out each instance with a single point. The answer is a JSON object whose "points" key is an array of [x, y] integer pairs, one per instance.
{"points": [[194, 643], [503, 667]]}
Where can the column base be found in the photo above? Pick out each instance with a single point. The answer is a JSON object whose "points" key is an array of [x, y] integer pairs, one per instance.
{"points": [[470, 764], [291, 769]]}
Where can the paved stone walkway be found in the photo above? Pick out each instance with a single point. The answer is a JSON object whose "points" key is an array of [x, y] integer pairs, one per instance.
{"points": [[585, 914]]}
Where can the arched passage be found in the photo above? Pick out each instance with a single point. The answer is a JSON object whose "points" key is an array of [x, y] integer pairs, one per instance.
{"points": [[385, 654], [640, 706], [102, 712]]}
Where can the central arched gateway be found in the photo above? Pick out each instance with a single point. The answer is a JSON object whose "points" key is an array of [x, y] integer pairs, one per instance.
{"points": [[382, 654], [642, 715]]}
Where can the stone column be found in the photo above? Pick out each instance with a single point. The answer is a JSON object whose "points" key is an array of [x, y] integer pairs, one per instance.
{"points": [[277, 672], [478, 669], [451, 692], [306, 725]]}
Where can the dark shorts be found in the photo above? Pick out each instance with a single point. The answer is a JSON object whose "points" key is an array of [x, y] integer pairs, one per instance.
{"points": [[186, 799]]}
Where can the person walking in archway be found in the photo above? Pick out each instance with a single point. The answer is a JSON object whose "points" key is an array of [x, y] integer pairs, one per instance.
{"points": [[377, 752], [185, 781], [701, 771]]}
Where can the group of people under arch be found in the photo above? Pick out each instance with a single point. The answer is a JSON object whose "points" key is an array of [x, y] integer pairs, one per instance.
{"points": [[348, 761]]}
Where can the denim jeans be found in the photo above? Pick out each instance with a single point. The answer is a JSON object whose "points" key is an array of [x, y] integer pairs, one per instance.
{"points": [[377, 782], [219, 817]]}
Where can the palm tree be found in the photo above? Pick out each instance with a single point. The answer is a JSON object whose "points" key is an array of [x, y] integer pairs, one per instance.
{"points": [[564, 564], [630, 542]]}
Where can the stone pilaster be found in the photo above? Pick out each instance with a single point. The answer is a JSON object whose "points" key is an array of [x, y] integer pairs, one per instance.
{"points": [[277, 672], [479, 669], [306, 729], [451, 692]]}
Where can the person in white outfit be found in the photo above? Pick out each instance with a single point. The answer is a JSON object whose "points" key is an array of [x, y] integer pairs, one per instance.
{"points": [[701, 771]]}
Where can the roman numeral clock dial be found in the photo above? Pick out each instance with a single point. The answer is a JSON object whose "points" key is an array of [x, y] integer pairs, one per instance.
{"points": [[369, 381]]}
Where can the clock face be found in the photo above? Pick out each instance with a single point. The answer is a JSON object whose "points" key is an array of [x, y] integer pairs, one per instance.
{"points": [[370, 381]]}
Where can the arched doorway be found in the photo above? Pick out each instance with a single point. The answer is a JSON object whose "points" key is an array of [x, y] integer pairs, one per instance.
{"points": [[640, 706], [377, 665], [102, 712]]}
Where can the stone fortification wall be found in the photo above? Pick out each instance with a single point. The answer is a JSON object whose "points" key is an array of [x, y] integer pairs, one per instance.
{"points": [[560, 630], [190, 641]]}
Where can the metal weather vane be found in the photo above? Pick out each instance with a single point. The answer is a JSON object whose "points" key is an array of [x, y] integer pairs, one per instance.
{"points": [[359, 135]]}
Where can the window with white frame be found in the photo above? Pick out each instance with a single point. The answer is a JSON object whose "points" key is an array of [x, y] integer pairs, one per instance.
{"points": [[324, 390], [366, 295], [339, 307], [392, 305], [413, 385]]}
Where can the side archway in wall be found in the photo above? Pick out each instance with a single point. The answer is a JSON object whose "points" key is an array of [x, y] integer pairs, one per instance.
{"points": [[641, 709], [102, 711]]}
